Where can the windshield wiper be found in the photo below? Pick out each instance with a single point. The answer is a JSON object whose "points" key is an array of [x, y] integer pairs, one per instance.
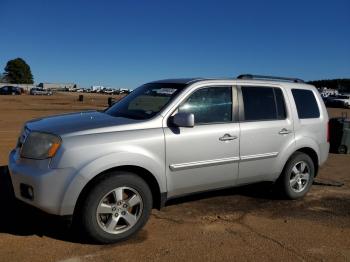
{"points": [[128, 115]]}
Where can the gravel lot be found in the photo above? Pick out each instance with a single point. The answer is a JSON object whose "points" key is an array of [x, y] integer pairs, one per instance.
{"points": [[241, 224]]}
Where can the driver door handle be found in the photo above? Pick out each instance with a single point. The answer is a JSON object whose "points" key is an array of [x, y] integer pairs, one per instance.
{"points": [[284, 131], [227, 137]]}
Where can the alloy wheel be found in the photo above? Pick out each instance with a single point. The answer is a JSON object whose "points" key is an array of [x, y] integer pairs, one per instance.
{"points": [[299, 177], [119, 210]]}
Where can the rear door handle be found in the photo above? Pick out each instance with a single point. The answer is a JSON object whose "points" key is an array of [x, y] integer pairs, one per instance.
{"points": [[227, 137], [284, 131]]}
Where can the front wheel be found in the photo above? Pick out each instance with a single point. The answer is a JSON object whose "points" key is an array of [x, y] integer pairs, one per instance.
{"points": [[297, 176], [116, 208]]}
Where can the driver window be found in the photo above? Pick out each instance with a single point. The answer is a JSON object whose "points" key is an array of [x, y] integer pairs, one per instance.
{"points": [[210, 105]]}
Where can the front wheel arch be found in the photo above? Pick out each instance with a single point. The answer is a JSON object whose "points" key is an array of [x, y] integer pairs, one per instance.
{"points": [[92, 221], [146, 175]]}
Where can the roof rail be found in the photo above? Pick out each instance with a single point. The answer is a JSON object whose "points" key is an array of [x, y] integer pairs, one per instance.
{"points": [[261, 77]]}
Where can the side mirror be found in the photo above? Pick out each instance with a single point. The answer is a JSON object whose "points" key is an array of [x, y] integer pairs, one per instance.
{"points": [[183, 120]]}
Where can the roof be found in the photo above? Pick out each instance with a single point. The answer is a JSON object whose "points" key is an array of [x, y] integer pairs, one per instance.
{"points": [[185, 81]]}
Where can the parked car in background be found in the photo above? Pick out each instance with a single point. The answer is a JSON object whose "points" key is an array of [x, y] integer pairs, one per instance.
{"points": [[10, 90], [40, 91], [108, 91], [341, 101], [167, 139]]}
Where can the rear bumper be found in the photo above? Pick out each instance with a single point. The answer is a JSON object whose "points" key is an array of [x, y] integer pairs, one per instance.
{"points": [[324, 152], [48, 185]]}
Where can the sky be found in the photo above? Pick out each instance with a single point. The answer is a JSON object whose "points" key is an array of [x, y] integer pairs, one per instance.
{"points": [[127, 43]]}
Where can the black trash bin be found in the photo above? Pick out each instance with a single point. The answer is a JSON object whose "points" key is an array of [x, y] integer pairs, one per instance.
{"points": [[81, 98], [339, 135], [110, 101]]}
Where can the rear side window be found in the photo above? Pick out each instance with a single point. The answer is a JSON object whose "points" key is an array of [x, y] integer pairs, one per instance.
{"points": [[306, 103], [263, 103]]}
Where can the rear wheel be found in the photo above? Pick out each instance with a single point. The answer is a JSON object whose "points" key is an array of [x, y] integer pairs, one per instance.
{"points": [[116, 208], [297, 176]]}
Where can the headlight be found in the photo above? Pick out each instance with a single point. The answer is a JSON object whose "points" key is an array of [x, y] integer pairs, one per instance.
{"points": [[40, 145]]}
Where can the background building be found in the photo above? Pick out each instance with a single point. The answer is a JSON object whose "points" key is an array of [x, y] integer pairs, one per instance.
{"points": [[57, 86]]}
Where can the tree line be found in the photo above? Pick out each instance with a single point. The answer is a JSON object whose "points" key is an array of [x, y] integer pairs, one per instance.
{"points": [[342, 84], [17, 71]]}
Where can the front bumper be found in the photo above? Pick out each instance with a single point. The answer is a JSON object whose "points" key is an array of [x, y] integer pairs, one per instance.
{"points": [[49, 185]]}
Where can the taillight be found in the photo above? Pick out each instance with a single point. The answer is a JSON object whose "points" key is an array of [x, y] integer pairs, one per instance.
{"points": [[328, 135]]}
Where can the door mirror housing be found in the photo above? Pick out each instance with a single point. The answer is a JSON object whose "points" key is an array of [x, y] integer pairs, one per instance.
{"points": [[183, 120]]}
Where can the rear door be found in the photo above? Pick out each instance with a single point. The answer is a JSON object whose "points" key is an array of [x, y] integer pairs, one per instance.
{"points": [[206, 156], [266, 131]]}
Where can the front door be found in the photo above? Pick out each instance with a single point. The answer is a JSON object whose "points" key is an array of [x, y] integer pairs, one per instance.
{"points": [[206, 156]]}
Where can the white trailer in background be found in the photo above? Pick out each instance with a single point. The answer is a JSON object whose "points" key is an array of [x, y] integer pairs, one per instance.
{"points": [[97, 88], [326, 92]]}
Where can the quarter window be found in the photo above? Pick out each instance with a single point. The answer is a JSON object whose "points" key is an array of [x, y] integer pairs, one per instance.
{"points": [[280, 104], [210, 105], [306, 103], [263, 103]]}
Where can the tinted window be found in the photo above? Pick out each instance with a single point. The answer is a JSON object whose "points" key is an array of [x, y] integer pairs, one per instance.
{"points": [[306, 103], [263, 103], [281, 107], [210, 105]]}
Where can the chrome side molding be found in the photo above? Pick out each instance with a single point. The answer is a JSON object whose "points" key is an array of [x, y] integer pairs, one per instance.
{"points": [[222, 161]]}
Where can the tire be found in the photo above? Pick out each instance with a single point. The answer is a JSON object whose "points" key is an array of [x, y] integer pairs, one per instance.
{"points": [[102, 228], [294, 185], [342, 149]]}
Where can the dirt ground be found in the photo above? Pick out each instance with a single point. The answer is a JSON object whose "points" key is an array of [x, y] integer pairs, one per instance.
{"points": [[241, 224]]}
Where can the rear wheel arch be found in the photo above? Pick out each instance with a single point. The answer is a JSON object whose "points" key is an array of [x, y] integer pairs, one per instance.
{"points": [[297, 176], [311, 153]]}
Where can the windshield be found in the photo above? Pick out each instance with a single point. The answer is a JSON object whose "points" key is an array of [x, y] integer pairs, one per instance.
{"points": [[146, 101]]}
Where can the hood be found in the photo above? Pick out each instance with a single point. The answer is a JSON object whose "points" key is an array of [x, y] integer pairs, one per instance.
{"points": [[75, 122]]}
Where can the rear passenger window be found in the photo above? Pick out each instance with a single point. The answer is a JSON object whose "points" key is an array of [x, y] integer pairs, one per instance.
{"points": [[210, 105], [306, 103], [263, 103]]}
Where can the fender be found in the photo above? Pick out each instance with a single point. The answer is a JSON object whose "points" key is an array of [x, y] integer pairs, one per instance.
{"points": [[289, 150], [103, 163], [305, 141], [302, 142]]}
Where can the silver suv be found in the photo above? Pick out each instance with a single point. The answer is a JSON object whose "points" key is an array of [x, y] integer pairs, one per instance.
{"points": [[167, 139]]}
